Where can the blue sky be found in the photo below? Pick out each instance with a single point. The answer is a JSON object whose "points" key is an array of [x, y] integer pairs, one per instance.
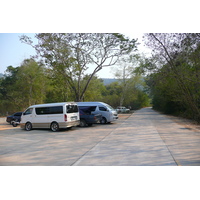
{"points": [[13, 51]]}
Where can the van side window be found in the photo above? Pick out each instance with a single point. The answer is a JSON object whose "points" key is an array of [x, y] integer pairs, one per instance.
{"points": [[49, 110], [72, 108], [28, 112], [92, 108], [102, 109]]}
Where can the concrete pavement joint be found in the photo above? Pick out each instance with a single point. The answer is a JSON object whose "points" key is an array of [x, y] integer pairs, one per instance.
{"points": [[81, 157], [177, 163]]}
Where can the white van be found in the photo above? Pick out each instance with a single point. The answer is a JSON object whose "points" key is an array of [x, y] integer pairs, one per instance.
{"points": [[108, 113], [52, 115]]}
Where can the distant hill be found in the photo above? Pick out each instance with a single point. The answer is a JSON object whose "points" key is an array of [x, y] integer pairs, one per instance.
{"points": [[1, 75], [108, 81]]}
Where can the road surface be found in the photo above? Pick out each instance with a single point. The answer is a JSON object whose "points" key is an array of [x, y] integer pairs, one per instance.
{"points": [[145, 138]]}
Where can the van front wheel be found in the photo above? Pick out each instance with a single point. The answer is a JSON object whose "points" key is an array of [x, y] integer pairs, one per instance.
{"points": [[28, 126], [54, 126], [103, 120]]}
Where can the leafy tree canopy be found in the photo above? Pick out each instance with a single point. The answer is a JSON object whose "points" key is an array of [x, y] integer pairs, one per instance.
{"points": [[71, 54]]}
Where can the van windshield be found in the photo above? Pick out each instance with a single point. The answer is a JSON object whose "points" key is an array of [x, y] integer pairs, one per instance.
{"points": [[109, 107], [72, 108]]}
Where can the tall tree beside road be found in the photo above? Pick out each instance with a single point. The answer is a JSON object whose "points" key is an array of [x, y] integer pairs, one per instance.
{"points": [[176, 74], [70, 55]]}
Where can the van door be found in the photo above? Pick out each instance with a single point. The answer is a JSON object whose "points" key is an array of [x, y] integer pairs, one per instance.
{"points": [[27, 115], [72, 113], [105, 114]]}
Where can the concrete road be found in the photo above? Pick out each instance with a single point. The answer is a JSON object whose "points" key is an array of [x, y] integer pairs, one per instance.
{"points": [[146, 138]]}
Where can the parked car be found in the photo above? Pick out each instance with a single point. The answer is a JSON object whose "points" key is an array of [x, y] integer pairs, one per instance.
{"points": [[15, 117], [88, 119], [122, 109]]}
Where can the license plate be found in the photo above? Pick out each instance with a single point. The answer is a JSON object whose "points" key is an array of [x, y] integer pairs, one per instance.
{"points": [[74, 118]]}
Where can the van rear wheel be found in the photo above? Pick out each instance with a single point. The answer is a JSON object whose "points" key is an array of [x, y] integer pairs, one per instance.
{"points": [[54, 126]]}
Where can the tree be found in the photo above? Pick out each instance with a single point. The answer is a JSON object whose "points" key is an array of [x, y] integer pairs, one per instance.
{"points": [[58, 90], [95, 89], [8, 91], [31, 83], [125, 73], [70, 55], [112, 94], [177, 70]]}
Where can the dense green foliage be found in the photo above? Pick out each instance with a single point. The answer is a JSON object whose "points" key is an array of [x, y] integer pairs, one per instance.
{"points": [[174, 73], [33, 83]]}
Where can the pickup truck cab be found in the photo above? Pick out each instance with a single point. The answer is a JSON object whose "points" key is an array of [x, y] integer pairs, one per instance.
{"points": [[88, 119]]}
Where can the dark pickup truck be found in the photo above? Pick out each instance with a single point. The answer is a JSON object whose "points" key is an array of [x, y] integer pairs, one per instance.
{"points": [[87, 119]]}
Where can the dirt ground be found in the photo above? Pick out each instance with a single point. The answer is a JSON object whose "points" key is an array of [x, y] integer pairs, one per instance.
{"points": [[124, 116], [187, 123], [5, 125]]}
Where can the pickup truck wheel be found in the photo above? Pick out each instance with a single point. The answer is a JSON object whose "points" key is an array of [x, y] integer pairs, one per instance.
{"points": [[82, 123], [103, 120]]}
